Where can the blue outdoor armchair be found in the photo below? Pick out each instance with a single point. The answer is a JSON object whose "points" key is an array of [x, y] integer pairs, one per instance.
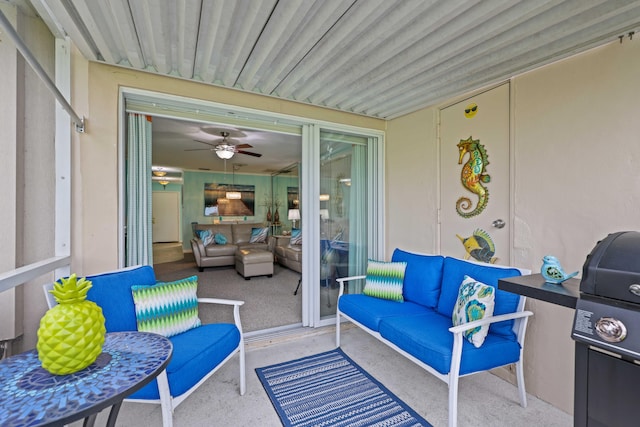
{"points": [[197, 353]]}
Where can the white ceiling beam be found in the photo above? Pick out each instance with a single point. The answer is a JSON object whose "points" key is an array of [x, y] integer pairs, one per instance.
{"points": [[97, 34], [58, 20]]}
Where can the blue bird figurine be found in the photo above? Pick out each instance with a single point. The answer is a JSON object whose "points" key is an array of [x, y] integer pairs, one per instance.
{"points": [[552, 270]]}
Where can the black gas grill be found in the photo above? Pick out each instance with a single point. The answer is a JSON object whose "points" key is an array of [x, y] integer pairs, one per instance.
{"points": [[606, 330]]}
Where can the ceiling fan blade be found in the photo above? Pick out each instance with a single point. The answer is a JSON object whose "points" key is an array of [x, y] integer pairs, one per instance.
{"points": [[200, 149], [207, 143], [248, 153], [243, 146]]}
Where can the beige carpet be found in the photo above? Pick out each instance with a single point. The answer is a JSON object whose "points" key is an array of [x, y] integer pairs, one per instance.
{"points": [[269, 301]]}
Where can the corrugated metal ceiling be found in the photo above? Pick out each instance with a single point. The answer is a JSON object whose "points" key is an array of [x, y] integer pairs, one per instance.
{"points": [[379, 58]]}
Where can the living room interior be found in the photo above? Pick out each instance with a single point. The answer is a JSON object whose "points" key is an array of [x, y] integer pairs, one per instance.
{"points": [[266, 172], [572, 171]]}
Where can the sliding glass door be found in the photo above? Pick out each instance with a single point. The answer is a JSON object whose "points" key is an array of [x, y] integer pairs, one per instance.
{"points": [[343, 212], [339, 192]]}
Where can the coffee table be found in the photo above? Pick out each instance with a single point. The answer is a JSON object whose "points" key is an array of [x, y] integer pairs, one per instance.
{"points": [[31, 396]]}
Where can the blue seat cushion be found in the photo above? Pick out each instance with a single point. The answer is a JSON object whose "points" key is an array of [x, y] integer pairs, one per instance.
{"points": [[422, 277], [370, 310], [112, 292], [452, 277], [195, 353], [427, 338]]}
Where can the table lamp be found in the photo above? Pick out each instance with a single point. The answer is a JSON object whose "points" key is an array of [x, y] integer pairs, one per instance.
{"points": [[294, 215]]}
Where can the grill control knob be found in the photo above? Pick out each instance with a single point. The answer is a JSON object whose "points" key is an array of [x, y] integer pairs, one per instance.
{"points": [[611, 329], [635, 289]]}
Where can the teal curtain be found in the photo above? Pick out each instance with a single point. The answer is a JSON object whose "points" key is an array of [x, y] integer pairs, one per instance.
{"points": [[358, 217], [139, 247]]}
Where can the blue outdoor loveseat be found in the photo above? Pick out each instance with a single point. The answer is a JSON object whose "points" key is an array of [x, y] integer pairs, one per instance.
{"points": [[421, 326]]}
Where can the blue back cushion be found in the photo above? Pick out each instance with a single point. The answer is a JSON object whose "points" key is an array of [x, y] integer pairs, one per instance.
{"points": [[453, 275], [422, 277], [112, 292]]}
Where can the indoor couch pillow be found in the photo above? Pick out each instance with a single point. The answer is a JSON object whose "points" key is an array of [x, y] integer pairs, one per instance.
{"points": [[167, 308], [206, 236], [475, 301], [259, 235], [385, 280], [296, 237], [220, 239]]}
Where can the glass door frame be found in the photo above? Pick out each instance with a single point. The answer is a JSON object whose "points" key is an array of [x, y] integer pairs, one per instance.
{"points": [[310, 175], [168, 105]]}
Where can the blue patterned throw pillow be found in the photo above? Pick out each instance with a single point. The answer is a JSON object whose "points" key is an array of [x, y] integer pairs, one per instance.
{"points": [[167, 308], [220, 239], [385, 280], [296, 237], [206, 236], [259, 235], [475, 301]]}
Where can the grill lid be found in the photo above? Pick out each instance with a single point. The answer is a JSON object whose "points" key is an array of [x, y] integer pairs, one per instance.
{"points": [[612, 269]]}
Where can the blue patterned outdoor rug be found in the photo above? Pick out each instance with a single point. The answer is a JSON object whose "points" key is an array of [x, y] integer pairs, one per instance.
{"points": [[330, 389]]}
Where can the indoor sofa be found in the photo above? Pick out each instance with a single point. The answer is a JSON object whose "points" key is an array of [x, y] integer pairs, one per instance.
{"points": [[288, 255], [421, 326], [235, 237]]}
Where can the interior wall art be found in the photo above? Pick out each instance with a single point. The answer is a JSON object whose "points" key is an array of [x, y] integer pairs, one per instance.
{"points": [[216, 202]]}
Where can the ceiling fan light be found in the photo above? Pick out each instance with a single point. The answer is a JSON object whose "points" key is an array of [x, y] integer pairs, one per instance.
{"points": [[233, 195], [224, 154]]}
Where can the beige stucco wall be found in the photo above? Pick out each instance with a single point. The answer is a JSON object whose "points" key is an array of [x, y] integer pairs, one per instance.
{"points": [[577, 175], [411, 176], [26, 153]]}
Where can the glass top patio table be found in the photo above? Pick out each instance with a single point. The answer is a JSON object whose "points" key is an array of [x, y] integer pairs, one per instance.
{"points": [[31, 396]]}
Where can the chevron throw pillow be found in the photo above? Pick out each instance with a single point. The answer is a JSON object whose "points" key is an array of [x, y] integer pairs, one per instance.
{"points": [[167, 308], [385, 280]]}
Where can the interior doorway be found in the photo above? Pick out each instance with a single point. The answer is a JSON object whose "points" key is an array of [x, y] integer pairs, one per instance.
{"points": [[191, 147]]}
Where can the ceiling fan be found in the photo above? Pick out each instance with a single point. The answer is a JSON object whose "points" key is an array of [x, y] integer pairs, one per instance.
{"points": [[226, 148]]}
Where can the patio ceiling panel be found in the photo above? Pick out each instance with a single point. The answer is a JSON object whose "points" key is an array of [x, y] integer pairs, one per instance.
{"points": [[287, 39], [381, 58], [564, 38]]}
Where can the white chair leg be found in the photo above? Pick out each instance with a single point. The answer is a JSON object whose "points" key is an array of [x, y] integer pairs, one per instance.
{"points": [[521, 388], [243, 379], [453, 401], [337, 328], [165, 399]]}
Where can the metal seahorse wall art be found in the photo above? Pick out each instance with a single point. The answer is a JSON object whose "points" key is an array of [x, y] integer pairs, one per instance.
{"points": [[473, 176]]}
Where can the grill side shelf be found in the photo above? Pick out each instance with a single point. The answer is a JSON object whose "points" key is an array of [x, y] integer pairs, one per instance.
{"points": [[534, 286]]}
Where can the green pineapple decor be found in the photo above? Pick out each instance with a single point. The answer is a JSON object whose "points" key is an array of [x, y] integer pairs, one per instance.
{"points": [[71, 334]]}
